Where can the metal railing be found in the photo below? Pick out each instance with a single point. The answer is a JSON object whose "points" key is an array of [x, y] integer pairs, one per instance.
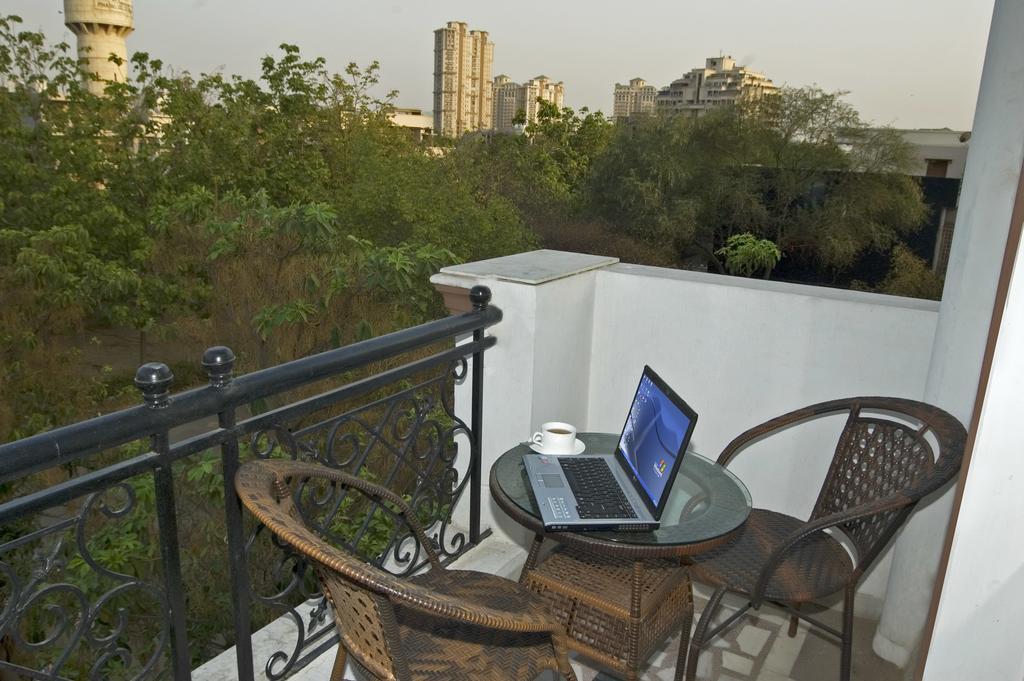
{"points": [[59, 601]]}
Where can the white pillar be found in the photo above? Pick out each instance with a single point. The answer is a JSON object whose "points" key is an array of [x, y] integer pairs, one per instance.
{"points": [[981, 610], [539, 370], [983, 218]]}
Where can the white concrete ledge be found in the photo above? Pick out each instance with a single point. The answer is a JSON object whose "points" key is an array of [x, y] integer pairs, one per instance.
{"points": [[278, 635], [532, 267], [810, 290]]}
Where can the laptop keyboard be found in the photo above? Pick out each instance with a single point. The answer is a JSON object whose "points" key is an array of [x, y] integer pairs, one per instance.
{"points": [[597, 492]]}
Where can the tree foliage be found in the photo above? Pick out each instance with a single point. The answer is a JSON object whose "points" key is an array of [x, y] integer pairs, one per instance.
{"points": [[281, 216], [746, 255], [800, 169], [541, 172], [214, 207], [910, 276]]}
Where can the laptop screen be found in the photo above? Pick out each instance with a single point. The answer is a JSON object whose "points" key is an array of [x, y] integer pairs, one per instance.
{"points": [[656, 432]]}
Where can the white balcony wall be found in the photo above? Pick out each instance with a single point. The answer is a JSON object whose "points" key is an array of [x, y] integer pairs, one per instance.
{"points": [[572, 345], [742, 351]]}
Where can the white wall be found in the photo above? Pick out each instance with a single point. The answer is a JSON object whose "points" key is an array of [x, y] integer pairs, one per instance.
{"points": [[978, 626], [571, 347], [562, 349], [980, 616], [983, 218], [741, 351]]}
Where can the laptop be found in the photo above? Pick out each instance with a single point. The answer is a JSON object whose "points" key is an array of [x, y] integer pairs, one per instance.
{"points": [[625, 490]]}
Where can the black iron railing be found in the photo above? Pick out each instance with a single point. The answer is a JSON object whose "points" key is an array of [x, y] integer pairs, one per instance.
{"points": [[70, 609]]}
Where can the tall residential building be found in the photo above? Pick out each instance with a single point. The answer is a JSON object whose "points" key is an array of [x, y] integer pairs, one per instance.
{"points": [[462, 80], [637, 98], [101, 27], [720, 82], [512, 98], [506, 101]]}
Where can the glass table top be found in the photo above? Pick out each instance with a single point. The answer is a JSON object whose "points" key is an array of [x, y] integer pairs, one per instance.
{"points": [[706, 501]]}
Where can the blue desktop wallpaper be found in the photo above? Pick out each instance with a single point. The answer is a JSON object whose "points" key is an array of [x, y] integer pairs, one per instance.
{"points": [[654, 431]]}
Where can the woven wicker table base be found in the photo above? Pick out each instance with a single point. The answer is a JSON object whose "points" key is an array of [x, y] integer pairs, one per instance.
{"points": [[617, 611]]}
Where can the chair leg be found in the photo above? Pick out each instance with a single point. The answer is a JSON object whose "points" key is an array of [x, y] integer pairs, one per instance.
{"points": [[338, 673], [697, 642], [794, 621], [633, 628], [568, 674], [684, 635], [559, 645], [846, 654], [531, 557]]}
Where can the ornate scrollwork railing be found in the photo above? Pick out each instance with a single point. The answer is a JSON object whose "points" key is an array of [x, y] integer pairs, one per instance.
{"points": [[72, 608]]}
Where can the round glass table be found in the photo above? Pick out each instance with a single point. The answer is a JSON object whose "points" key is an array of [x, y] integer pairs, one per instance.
{"points": [[706, 505]]}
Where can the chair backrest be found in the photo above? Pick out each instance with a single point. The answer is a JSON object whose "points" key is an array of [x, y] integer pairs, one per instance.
{"points": [[358, 591], [884, 450]]}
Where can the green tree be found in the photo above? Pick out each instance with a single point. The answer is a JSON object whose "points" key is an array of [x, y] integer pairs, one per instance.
{"points": [[910, 276], [69, 254], [540, 173], [746, 255], [834, 187], [800, 169], [571, 139], [281, 216]]}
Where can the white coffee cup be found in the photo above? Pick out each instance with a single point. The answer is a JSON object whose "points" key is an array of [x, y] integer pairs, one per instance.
{"points": [[556, 437]]}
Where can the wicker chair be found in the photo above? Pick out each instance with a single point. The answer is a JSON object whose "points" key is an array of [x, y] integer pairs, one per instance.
{"points": [[444, 624], [881, 468]]}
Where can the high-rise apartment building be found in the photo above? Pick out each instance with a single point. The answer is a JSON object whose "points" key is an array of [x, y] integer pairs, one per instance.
{"points": [[506, 98], [541, 88], [634, 99], [512, 98], [720, 82], [462, 80]]}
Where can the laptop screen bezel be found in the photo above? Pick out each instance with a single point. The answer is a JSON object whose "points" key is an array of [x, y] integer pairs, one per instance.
{"points": [[620, 456]]}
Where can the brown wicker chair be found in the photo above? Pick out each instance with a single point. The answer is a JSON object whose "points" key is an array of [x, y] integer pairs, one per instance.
{"points": [[881, 468], [443, 624]]}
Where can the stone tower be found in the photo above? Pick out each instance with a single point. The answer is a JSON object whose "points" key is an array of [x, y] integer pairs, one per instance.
{"points": [[101, 27]]}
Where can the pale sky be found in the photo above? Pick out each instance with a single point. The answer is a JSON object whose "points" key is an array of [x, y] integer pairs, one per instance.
{"points": [[907, 63]]}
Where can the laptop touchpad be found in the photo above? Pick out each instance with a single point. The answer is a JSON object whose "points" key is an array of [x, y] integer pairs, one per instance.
{"points": [[553, 481]]}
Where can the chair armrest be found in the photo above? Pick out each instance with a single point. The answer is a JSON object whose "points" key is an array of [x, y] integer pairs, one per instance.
{"points": [[893, 502], [259, 482], [780, 423]]}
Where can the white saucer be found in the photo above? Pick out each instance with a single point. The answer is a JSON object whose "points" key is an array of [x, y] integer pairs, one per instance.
{"points": [[577, 449]]}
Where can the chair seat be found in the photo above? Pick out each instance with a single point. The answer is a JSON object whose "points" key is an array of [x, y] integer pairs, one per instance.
{"points": [[438, 648], [815, 568]]}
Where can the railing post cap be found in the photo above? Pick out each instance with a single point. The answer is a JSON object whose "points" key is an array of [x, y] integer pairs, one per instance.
{"points": [[154, 380], [219, 364], [480, 296]]}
